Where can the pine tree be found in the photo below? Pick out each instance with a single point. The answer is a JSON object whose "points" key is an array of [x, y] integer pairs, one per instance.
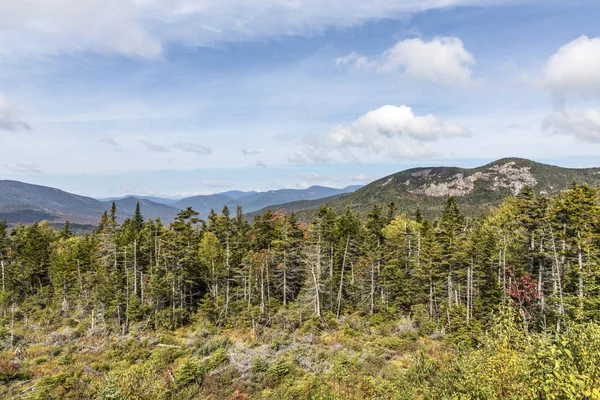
{"points": [[451, 237], [66, 231]]}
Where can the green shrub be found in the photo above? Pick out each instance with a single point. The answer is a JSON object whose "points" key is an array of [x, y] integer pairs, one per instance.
{"points": [[278, 371], [259, 366]]}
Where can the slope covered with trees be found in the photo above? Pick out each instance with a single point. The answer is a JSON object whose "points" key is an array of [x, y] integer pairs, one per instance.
{"points": [[476, 190], [27, 203], [389, 305]]}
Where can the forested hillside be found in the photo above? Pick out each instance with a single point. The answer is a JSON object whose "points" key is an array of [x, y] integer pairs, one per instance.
{"points": [[476, 190], [26, 203], [384, 305]]}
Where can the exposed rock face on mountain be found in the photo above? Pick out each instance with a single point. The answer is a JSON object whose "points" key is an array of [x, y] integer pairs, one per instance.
{"points": [[503, 176], [476, 189]]}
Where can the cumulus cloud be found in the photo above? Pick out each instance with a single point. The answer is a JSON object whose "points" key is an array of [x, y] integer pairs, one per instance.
{"points": [[442, 60], [196, 148], [252, 152], [8, 117], [391, 130], [261, 163], [141, 27], [582, 124], [573, 69]]}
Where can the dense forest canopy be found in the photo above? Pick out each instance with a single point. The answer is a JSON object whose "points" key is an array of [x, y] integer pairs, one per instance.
{"points": [[503, 290]]}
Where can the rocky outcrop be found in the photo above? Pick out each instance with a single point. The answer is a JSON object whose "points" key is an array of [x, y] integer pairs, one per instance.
{"points": [[505, 176]]}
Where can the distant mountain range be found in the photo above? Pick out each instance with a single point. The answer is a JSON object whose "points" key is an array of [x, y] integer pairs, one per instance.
{"points": [[476, 189], [27, 203]]}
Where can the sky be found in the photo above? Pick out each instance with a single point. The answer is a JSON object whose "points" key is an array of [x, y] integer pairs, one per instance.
{"points": [[174, 98]]}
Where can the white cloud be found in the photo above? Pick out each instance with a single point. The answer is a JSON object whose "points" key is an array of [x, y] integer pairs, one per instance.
{"points": [[216, 183], [196, 148], [109, 141], [582, 124], [188, 147], [142, 27], [574, 68], [251, 152], [389, 121], [62, 26], [574, 71], [354, 60], [443, 60], [158, 148], [8, 117], [307, 179], [335, 179], [24, 168], [391, 130]]}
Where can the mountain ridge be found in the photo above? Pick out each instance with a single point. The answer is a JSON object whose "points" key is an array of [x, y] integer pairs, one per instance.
{"points": [[27, 203], [475, 189], [425, 188]]}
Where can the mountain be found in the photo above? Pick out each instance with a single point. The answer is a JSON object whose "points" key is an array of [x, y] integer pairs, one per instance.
{"points": [[250, 201], [253, 201], [204, 203], [23, 202], [238, 194], [304, 208], [160, 200], [475, 189], [27, 203], [150, 209], [260, 200]]}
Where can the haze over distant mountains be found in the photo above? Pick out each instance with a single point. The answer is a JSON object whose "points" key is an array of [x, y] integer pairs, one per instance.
{"points": [[476, 190], [27, 203]]}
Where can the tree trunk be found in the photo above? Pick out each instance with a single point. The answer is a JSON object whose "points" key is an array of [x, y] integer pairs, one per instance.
{"points": [[372, 294], [135, 267], [449, 296], [469, 271], [142, 286], [504, 268], [339, 298], [12, 324], [580, 271], [125, 326], [557, 277], [314, 269], [227, 282], [430, 297], [3, 283], [262, 290], [284, 279]]}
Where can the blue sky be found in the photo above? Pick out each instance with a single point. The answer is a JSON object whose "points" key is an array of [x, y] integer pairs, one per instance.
{"points": [[190, 96]]}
